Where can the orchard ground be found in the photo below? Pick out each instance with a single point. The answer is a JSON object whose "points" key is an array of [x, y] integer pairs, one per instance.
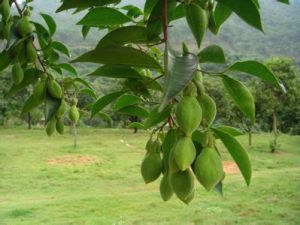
{"points": [[46, 181]]}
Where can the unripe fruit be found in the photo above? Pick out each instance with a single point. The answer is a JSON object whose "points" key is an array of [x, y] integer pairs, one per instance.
{"points": [[60, 126], [17, 73], [208, 168], [24, 27], [149, 144], [151, 167], [172, 165], [165, 188], [31, 52], [188, 114], [197, 20], [54, 89], [209, 109], [168, 143], [184, 153], [190, 197], [5, 9], [39, 90], [62, 109], [182, 183], [50, 128], [190, 90], [6, 30], [74, 114]]}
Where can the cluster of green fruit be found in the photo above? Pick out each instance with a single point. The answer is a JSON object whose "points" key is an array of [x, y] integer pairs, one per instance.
{"points": [[22, 28], [52, 88], [179, 158]]}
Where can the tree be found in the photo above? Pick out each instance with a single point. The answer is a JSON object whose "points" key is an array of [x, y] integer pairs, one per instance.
{"points": [[277, 109], [136, 48]]}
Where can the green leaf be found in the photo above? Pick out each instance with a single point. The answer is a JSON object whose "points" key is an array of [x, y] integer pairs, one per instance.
{"points": [[134, 110], [230, 130], [51, 107], [154, 23], [116, 71], [5, 60], [88, 92], [119, 56], [71, 4], [257, 69], [136, 125], [60, 47], [238, 153], [241, 96], [284, 1], [67, 67], [104, 101], [196, 18], [103, 16], [212, 54], [31, 104], [50, 22], [124, 35], [246, 10], [105, 117], [83, 82], [178, 12], [219, 188], [126, 100], [85, 31], [155, 117], [181, 72], [149, 6], [221, 14]]}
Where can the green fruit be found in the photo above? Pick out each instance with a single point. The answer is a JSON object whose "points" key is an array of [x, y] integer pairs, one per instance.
{"points": [[182, 183], [184, 153], [172, 165], [165, 188], [24, 27], [190, 90], [149, 145], [168, 143], [5, 9], [201, 3], [74, 114], [209, 109], [190, 197], [6, 29], [60, 126], [208, 168], [188, 114], [197, 20], [17, 73], [31, 52], [151, 167], [156, 146], [50, 128], [54, 89], [62, 109], [39, 90]]}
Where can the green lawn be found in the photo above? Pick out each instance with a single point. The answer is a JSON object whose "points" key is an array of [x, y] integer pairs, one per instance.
{"points": [[45, 181]]}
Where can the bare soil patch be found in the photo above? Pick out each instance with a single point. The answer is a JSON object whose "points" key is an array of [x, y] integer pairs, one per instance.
{"points": [[73, 160], [230, 167]]}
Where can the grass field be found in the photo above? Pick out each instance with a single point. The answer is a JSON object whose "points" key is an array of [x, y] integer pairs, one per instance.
{"points": [[46, 181]]}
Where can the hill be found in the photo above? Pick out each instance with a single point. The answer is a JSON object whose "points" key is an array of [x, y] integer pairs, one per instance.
{"points": [[281, 37]]}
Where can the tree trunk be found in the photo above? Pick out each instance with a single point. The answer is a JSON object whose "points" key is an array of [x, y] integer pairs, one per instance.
{"points": [[29, 121], [275, 132], [250, 137], [74, 130]]}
